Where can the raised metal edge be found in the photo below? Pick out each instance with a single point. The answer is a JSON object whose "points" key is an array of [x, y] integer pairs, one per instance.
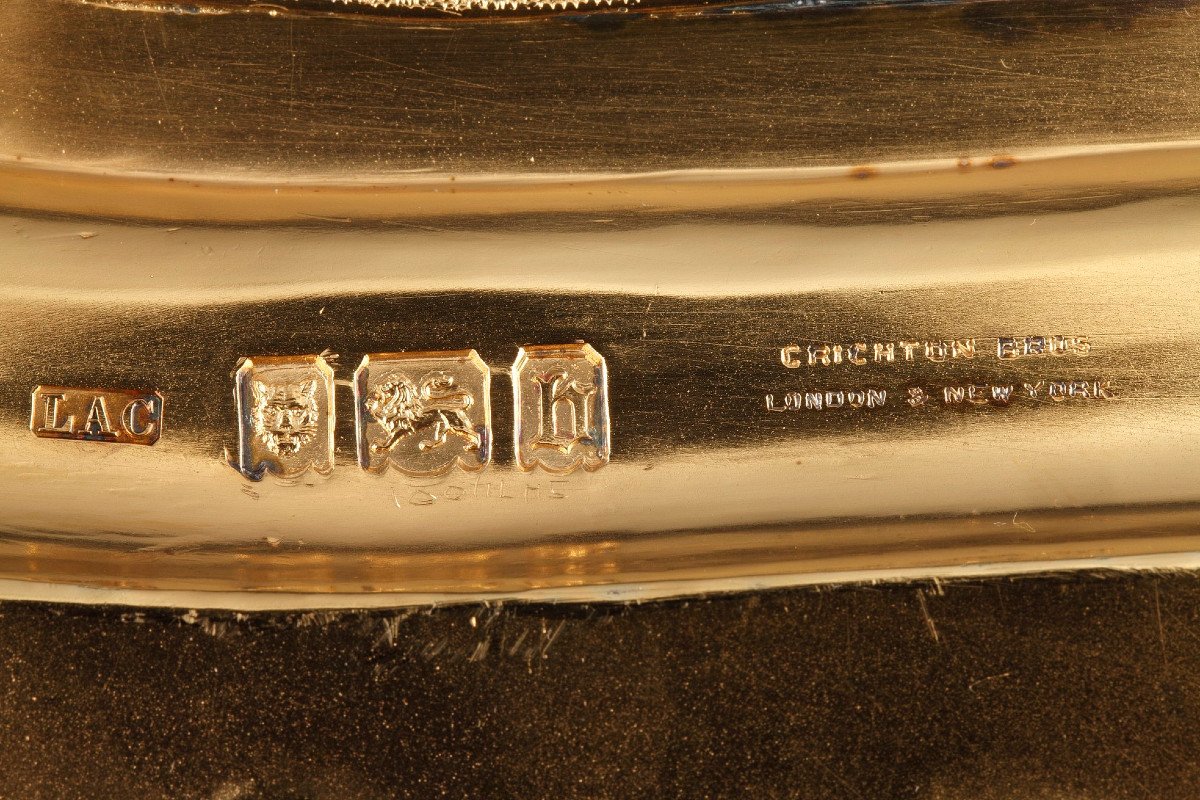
{"points": [[44, 187]]}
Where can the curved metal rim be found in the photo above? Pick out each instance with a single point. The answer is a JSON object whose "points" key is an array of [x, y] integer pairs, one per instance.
{"points": [[53, 188]]}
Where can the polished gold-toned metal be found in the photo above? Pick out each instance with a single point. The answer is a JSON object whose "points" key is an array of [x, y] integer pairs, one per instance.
{"points": [[315, 119], [919, 298], [705, 481]]}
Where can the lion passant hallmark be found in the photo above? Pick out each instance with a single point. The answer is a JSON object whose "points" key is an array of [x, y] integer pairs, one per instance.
{"points": [[120, 416], [423, 412], [285, 415]]}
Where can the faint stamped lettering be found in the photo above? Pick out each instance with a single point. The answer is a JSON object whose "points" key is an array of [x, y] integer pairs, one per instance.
{"points": [[560, 398], [119, 416], [917, 396], [1010, 348], [1058, 391], [1003, 394], [858, 354], [936, 351], [285, 416], [828, 400], [501, 489], [423, 412], [995, 395], [978, 394], [937, 355]]}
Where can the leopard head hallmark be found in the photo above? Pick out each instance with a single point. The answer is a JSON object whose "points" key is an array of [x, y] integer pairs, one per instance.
{"points": [[285, 416], [423, 412]]}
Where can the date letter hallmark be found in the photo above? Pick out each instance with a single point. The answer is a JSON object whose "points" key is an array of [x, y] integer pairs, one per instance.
{"points": [[423, 412], [560, 398], [97, 415], [285, 416]]}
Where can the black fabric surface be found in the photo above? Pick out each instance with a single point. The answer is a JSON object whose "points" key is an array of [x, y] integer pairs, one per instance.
{"points": [[1063, 687]]}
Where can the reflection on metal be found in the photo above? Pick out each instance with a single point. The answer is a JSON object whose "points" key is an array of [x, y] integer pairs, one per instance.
{"points": [[859, 319]]}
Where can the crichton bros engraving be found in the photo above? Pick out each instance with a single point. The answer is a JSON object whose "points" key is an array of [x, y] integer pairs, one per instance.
{"points": [[941, 351], [1006, 348]]}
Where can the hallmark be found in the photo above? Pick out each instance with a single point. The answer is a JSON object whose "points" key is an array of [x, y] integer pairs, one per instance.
{"points": [[423, 412], [285, 416], [560, 398], [120, 416]]}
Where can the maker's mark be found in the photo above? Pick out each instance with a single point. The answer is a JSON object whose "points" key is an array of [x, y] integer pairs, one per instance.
{"points": [[121, 416]]}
